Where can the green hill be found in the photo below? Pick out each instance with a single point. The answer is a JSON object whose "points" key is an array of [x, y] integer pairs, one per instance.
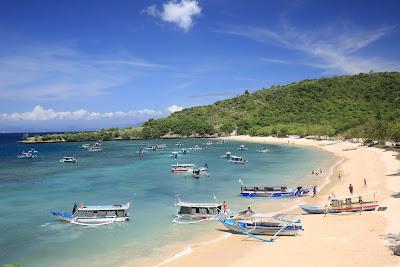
{"points": [[363, 105]]}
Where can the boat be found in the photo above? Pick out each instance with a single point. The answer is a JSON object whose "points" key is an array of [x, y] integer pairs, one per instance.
{"points": [[198, 171], [242, 147], [263, 224], [179, 144], [182, 168], [184, 151], [208, 143], [95, 215], [161, 146], [68, 160], [151, 148], [237, 160], [26, 155], [174, 154], [262, 150], [188, 213], [85, 145], [94, 149], [33, 151], [272, 192], [351, 203], [196, 147], [227, 155]]}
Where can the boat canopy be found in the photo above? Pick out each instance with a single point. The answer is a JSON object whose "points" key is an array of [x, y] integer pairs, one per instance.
{"points": [[182, 165], [236, 158], [353, 196], [264, 188], [200, 205], [107, 207]]}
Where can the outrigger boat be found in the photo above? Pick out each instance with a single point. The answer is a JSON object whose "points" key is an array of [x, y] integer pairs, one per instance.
{"points": [[352, 203], [208, 143], [189, 213], [161, 146], [95, 215], [187, 168], [26, 155], [95, 148], [174, 154], [184, 151], [271, 192], [196, 147], [237, 160], [262, 150], [68, 160], [85, 145], [179, 144], [151, 148], [242, 147], [261, 224], [227, 155]]}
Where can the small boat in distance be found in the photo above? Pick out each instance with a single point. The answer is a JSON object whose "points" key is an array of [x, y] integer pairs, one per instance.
{"points": [[182, 168], [208, 143], [179, 144], [174, 154], [85, 146], [242, 147], [151, 148], [262, 150], [188, 213], [184, 151], [68, 160], [196, 147], [352, 203], [227, 155], [260, 224], [237, 160], [26, 155], [95, 215]]}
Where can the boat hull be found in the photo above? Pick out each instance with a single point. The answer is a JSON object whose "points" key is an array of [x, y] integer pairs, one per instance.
{"points": [[323, 210], [241, 227], [269, 194]]}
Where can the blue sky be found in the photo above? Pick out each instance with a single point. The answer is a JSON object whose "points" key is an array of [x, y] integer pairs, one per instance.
{"points": [[71, 65]]}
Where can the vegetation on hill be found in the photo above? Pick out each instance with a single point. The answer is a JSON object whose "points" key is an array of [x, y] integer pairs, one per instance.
{"points": [[363, 105]]}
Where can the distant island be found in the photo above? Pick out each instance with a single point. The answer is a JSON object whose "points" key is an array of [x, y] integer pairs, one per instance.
{"points": [[357, 106]]}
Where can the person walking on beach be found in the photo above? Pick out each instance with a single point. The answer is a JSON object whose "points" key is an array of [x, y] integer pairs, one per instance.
{"points": [[340, 177], [351, 189], [320, 171], [365, 183], [314, 191], [225, 206]]}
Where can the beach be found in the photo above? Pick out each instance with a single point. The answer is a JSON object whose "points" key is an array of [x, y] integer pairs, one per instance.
{"points": [[357, 239]]}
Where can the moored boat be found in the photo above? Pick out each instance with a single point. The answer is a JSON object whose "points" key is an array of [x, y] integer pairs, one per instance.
{"points": [[227, 155], [182, 168], [174, 154], [271, 191], [184, 151], [242, 147], [26, 155], [237, 160], [95, 215], [260, 224], [351, 203], [262, 150], [68, 160]]}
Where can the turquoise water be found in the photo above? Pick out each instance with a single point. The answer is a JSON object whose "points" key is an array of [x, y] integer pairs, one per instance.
{"points": [[30, 189]]}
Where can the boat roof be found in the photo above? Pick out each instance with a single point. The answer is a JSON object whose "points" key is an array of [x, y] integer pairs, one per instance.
{"points": [[106, 207], [236, 157], [353, 196], [182, 165], [271, 186], [198, 205]]}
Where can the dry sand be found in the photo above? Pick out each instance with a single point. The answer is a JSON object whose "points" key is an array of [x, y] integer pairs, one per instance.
{"points": [[333, 240]]}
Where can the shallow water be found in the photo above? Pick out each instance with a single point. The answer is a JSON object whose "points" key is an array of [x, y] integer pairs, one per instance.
{"points": [[30, 189]]}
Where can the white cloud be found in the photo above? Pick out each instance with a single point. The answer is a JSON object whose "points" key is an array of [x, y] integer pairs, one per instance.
{"points": [[40, 114], [179, 12], [174, 108], [332, 50]]}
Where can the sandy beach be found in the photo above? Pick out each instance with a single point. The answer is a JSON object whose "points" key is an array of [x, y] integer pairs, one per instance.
{"points": [[334, 240]]}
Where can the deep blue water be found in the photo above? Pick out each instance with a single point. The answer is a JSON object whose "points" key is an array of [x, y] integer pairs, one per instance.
{"points": [[30, 189]]}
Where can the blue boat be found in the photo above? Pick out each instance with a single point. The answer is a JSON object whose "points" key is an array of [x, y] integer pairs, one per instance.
{"points": [[272, 192]]}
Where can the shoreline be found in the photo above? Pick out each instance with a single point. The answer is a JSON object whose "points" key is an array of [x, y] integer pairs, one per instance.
{"points": [[375, 224]]}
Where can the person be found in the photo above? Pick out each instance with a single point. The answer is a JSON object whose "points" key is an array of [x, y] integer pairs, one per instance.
{"points": [[365, 183], [312, 172], [351, 189], [74, 208], [225, 206], [320, 171], [248, 211], [340, 177], [206, 165], [314, 191]]}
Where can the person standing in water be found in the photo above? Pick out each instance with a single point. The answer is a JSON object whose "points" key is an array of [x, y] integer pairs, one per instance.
{"points": [[351, 189]]}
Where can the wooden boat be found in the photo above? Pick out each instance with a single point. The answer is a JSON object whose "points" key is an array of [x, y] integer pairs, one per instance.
{"points": [[271, 191], [237, 160], [263, 224], [95, 215], [352, 203], [189, 212], [68, 160]]}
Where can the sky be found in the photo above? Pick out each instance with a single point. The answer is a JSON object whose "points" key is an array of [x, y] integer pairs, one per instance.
{"points": [[84, 65]]}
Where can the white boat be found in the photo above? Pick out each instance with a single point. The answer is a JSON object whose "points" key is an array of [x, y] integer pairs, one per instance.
{"points": [[85, 145], [208, 143], [26, 155], [182, 168], [151, 148], [184, 151], [161, 146], [196, 147], [94, 149], [242, 147], [68, 160], [33, 151], [189, 212], [174, 154], [238, 160], [95, 215], [179, 144], [262, 150], [227, 155]]}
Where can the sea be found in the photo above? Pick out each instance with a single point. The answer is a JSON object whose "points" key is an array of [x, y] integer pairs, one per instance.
{"points": [[31, 188]]}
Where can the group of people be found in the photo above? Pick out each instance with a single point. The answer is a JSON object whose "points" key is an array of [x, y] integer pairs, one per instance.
{"points": [[316, 172], [247, 211]]}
